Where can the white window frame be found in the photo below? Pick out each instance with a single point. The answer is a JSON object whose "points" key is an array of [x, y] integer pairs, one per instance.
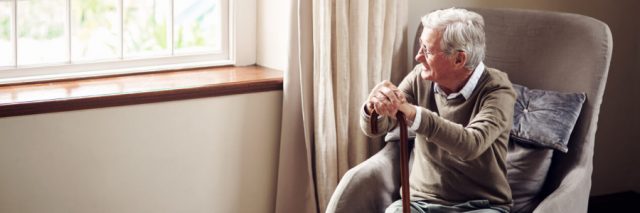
{"points": [[239, 22]]}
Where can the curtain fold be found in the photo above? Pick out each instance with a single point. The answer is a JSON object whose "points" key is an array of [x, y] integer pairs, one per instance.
{"points": [[295, 190], [340, 49]]}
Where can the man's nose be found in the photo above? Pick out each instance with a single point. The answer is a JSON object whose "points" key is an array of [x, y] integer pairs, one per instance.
{"points": [[420, 57]]}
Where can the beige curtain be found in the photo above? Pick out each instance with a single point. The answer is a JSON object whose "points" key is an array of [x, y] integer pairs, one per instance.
{"points": [[339, 50]]}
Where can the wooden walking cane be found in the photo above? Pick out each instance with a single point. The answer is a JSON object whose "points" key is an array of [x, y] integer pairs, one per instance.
{"points": [[404, 155]]}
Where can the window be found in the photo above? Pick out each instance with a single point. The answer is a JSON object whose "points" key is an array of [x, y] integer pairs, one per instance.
{"points": [[47, 39]]}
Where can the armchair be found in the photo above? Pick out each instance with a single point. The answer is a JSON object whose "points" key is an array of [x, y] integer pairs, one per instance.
{"points": [[538, 49]]}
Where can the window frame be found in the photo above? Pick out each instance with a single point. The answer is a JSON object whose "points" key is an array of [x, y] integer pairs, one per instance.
{"points": [[235, 28]]}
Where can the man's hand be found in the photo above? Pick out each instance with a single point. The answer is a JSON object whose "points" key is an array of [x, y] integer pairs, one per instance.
{"points": [[385, 99], [409, 111]]}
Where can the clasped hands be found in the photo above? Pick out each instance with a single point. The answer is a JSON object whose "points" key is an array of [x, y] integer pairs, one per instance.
{"points": [[386, 99]]}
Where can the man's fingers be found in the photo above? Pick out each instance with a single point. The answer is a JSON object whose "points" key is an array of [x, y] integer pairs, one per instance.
{"points": [[385, 98], [388, 108], [380, 108], [401, 96], [382, 84], [389, 94]]}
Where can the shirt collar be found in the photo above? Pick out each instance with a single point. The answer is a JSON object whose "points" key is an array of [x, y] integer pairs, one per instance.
{"points": [[468, 87]]}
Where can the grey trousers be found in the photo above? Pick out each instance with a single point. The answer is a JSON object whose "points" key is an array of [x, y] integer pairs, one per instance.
{"points": [[474, 206]]}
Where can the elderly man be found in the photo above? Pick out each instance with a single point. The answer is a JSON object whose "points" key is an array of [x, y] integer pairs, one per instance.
{"points": [[462, 113]]}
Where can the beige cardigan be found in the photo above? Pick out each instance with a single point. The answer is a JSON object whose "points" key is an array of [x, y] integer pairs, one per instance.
{"points": [[461, 145]]}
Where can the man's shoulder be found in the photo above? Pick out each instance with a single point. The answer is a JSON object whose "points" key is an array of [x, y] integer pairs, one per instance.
{"points": [[497, 75], [496, 78]]}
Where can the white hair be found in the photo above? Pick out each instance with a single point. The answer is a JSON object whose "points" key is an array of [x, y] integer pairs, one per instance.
{"points": [[461, 30]]}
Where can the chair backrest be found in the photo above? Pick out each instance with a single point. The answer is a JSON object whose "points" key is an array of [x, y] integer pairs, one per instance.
{"points": [[553, 51]]}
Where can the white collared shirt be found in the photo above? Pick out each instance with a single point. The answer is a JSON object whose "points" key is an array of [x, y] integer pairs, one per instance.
{"points": [[465, 92], [468, 87]]}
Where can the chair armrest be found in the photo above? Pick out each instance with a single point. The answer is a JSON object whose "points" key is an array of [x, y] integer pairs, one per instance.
{"points": [[572, 195], [370, 186]]}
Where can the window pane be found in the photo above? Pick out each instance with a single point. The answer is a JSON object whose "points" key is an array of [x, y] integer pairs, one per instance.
{"points": [[197, 25], [41, 31], [6, 49], [95, 26], [146, 27]]}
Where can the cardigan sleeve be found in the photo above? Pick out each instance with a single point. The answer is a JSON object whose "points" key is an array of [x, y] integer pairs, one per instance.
{"points": [[468, 142]]}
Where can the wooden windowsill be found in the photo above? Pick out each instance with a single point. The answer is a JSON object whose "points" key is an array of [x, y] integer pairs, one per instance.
{"points": [[66, 95]]}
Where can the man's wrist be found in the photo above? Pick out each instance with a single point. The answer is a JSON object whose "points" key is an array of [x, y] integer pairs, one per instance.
{"points": [[409, 111], [416, 119]]}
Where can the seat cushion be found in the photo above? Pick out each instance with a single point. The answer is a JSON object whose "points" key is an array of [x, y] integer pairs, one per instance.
{"points": [[544, 118]]}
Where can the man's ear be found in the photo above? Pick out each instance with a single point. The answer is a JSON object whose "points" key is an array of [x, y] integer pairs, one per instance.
{"points": [[461, 58]]}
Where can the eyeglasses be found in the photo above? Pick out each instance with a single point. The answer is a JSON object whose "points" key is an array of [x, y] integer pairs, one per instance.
{"points": [[428, 53]]}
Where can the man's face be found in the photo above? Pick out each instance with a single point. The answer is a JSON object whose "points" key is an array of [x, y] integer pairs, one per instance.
{"points": [[438, 66]]}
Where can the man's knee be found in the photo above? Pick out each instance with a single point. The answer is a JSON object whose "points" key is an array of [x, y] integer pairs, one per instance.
{"points": [[396, 207]]}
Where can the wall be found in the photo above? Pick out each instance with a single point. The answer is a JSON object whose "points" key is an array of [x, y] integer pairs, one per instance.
{"points": [[203, 155], [245, 31], [273, 33], [615, 159]]}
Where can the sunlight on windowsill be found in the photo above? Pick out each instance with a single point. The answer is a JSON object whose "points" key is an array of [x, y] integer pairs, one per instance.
{"points": [[66, 95]]}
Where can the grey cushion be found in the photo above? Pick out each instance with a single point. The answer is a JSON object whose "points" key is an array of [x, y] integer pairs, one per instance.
{"points": [[527, 168], [543, 121], [545, 118]]}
